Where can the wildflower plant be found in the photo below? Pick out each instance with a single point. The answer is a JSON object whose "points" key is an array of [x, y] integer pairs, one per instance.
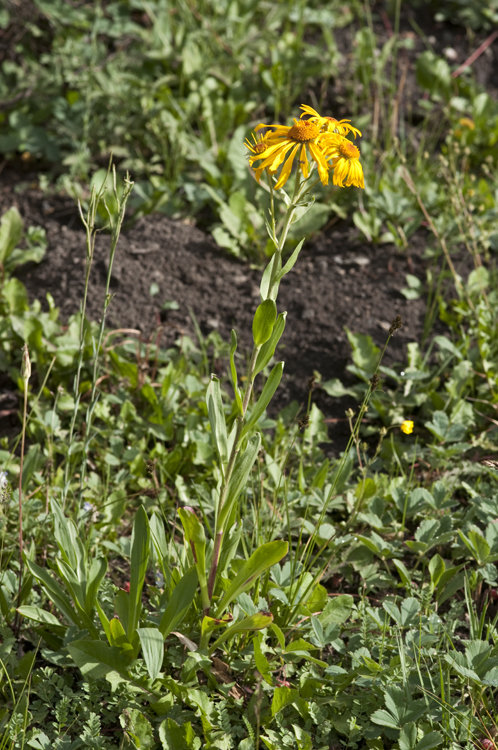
{"points": [[321, 146]]}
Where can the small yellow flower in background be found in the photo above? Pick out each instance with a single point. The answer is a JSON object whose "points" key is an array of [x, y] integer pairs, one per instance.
{"points": [[407, 427], [322, 140], [466, 122]]}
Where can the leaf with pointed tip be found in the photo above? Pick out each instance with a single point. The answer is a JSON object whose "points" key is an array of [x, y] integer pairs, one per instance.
{"points": [[268, 350], [152, 649], [217, 420], [258, 621], [263, 558], [264, 320], [259, 408], [139, 559], [180, 602], [241, 470]]}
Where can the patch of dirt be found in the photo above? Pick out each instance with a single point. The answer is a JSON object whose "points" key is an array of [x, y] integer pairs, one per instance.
{"points": [[338, 281]]}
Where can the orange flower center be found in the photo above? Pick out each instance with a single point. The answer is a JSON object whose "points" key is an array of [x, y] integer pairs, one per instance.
{"points": [[260, 147], [304, 131], [349, 150]]}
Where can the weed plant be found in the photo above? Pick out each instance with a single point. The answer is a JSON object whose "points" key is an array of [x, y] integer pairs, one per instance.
{"points": [[194, 572]]}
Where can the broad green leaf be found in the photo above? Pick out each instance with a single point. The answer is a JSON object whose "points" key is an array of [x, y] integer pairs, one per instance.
{"points": [[138, 728], [282, 697], [233, 371], [436, 568], [409, 610], [258, 621], [429, 741], [264, 320], [385, 719], [262, 663], [153, 649], [337, 610], [263, 558], [139, 558], [119, 639], [477, 545], [269, 389], [268, 350], [95, 659], [365, 352], [408, 737], [240, 474], [11, 230], [40, 615], [176, 737], [217, 420], [180, 602]]}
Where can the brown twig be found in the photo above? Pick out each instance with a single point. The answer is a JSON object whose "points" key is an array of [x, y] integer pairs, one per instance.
{"points": [[468, 62]]}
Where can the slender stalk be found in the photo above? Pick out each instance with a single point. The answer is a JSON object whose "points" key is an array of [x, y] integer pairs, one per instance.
{"points": [[91, 234], [26, 374], [116, 230]]}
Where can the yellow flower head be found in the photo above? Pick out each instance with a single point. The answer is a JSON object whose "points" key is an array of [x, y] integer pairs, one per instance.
{"points": [[257, 148], [466, 122], [329, 124], [345, 159], [319, 139], [407, 427], [285, 143]]}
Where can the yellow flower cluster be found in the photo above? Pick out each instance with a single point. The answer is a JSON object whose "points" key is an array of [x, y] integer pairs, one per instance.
{"points": [[320, 139]]}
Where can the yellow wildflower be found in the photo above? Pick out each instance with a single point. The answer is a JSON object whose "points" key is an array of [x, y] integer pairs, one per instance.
{"points": [[329, 124], [407, 427], [284, 143], [466, 122], [257, 148], [345, 160]]}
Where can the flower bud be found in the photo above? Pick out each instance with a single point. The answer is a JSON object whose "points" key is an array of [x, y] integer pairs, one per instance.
{"points": [[26, 365]]}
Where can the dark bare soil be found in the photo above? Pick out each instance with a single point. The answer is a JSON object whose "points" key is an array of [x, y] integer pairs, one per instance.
{"points": [[338, 281]]}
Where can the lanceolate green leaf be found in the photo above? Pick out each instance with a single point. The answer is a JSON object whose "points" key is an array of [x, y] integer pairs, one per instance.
{"points": [[275, 267], [291, 262], [217, 420], [263, 558], [233, 371], [180, 602], [196, 539], [55, 593], [98, 569], [240, 474], [268, 350], [258, 621], [152, 643], [65, 534], [264, 320], [271, 386], [139, 558]]}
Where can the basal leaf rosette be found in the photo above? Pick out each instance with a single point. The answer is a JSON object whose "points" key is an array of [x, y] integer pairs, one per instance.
{"points": [[317, 141]]}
